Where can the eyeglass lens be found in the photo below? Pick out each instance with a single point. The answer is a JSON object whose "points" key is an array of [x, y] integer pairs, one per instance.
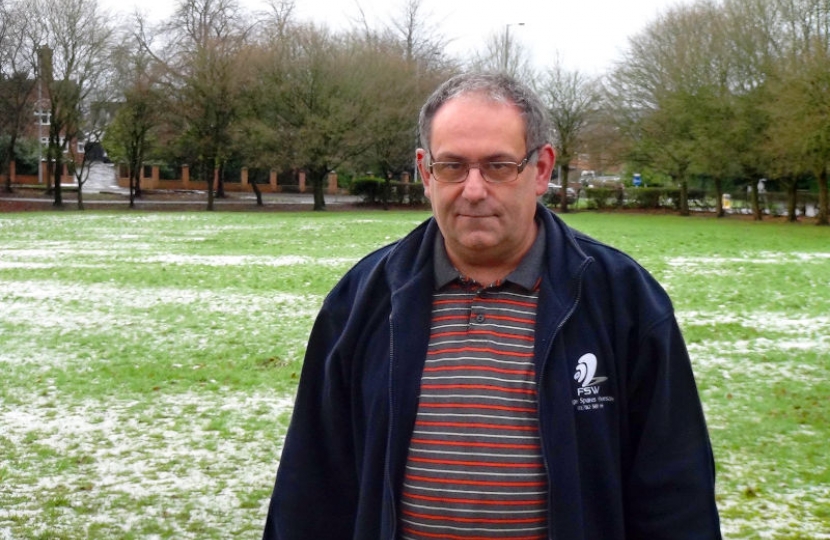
{"points": [[493, 171]]}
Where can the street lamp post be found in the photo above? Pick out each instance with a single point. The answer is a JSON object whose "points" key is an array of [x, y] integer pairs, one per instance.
{"points": [[507, 43], [39, 115]]}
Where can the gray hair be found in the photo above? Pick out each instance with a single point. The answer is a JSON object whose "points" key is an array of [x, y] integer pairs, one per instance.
{"points": [[497, 87]]}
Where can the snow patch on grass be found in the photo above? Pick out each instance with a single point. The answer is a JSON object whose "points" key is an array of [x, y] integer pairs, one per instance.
{"points": [[242, 260], [163, 455], [764, 257], [762, 321]]}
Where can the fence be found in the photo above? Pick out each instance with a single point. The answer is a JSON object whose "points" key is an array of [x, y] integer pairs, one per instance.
{"points": [[150, 178], [153, 180]]}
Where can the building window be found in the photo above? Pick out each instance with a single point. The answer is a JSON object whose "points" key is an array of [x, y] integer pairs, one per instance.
{"points": [[44, 118]]}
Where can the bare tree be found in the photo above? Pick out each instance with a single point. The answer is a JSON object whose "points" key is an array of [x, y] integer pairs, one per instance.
{"points": [[503, 52], [141, 105], [410, 63], [658, 87], [801, 94], [754, 43], [74, 46], [205, 57], [572, 99], [418, 33], [798, 133], [17, 81], [325, 103]]}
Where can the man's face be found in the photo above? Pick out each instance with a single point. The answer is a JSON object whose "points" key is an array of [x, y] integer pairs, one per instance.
{"points": [[484, 223]]}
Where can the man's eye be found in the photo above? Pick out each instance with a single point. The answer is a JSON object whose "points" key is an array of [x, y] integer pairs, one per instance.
{"points": [[497, 166], [452, 166]]}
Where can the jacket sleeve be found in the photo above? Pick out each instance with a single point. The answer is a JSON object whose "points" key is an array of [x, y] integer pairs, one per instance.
{"points": [[315, 491], [671, 482]]}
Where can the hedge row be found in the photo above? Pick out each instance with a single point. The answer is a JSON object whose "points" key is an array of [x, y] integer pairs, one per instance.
{"points": [[669, 197], [375, 190]]}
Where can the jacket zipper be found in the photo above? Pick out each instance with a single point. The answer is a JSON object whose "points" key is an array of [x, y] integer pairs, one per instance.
{"points": [[390, 492], [541, 380]]}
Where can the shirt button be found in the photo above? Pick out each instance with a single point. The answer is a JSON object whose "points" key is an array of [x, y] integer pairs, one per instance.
{"points": [[480, 318]]}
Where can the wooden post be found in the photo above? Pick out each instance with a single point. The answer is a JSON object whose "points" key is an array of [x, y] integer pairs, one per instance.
{"points": [[332, 188]]}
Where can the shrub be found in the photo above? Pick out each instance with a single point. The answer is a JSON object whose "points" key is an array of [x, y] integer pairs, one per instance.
{"points": [[644, 197], [551, 198], [168, 172], [602, 198], [416, 194], [372, 188], [670, 198], [26, 151], [369, 187]]}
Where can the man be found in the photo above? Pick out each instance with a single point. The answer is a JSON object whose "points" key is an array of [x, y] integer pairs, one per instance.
{"points": [[494, 374]]}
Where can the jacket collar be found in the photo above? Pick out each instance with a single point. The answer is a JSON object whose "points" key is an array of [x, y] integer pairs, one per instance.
{"points": [[563, 259]]}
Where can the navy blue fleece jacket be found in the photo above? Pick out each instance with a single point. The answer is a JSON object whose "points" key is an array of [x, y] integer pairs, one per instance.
{"points": [[624, 439]]}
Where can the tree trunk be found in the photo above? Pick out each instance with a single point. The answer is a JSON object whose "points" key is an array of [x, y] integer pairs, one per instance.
{"points": [[387, 188], [220, 181], [258, 192], [563, 190], [792, 201], [135, 169], [209, 182], [133, 184], [319, 197], [10, 158], [684, 197], [823, 202], [50, 174], [756, 201], [58, 168]]}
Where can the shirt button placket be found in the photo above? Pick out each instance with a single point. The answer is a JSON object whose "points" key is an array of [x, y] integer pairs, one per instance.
{"points": [[477, 315]]}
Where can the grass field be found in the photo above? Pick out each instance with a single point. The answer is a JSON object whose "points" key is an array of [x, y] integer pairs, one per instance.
{"points": [[149, 361]]}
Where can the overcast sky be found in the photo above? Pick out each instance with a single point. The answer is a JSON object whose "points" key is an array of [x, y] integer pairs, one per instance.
{"points": [[587, 34]]}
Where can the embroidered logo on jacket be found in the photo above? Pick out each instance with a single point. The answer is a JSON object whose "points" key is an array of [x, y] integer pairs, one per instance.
{"points": [[589, 391]]}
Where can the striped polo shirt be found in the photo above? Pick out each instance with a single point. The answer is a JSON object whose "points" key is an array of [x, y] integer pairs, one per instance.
{"points": [[474, 469]]}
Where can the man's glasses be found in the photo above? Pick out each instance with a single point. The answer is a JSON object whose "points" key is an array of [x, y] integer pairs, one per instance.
{"points": [[495, 172]]}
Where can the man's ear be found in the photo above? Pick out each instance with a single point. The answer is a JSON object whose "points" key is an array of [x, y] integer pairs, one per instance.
{"points": [[545, 161], [421, 158]]}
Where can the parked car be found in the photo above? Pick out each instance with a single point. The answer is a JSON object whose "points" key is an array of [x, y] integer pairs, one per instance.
{"points": [[553, 193]]}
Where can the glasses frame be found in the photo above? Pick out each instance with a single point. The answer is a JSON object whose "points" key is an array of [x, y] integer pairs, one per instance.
{"points": [[520, 167]]}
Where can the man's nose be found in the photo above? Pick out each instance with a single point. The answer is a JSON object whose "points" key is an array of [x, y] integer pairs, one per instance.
{"points": [[475, 187]]}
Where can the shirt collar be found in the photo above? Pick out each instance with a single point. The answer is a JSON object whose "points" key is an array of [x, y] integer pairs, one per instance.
{"points": [[526, 274]]}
